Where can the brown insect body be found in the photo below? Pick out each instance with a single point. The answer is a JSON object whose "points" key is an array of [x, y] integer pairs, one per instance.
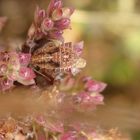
{"points": [[51, 59]]}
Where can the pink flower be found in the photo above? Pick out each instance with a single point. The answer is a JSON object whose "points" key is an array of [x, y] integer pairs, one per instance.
{"points": [[24, 58], [57, 14], [3, 69], [56, 34], [40, 14], [47, 25], [94, 86], [71, 135], [63, 24], [54, 4], [67, 83], [26, 73], [62, 13], [87, 100], [67, 12], [56, 127], [40, 119], [6, 84], [79, 48], [4, 56], [97, 98]]}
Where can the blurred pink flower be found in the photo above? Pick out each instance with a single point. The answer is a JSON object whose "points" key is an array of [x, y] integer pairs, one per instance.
{"points": [[40, 14], [79, 48], [56, 34], [94, 86], [87, 100], [13, 67], [63, 24], [57, 14], [67, 12], [26, 73], [54, 4], [55, 127], [3, 69], [6, 84], [62, 13], [71, 135]]}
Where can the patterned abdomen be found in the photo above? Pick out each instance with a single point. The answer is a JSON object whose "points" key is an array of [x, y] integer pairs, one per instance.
{"points": [[51, 59]]}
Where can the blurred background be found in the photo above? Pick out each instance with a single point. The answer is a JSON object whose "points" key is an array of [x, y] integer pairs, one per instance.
{"points": [[111, 32]]}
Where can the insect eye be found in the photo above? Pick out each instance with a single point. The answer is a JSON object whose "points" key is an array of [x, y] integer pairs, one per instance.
{"points": [[37, 68]]}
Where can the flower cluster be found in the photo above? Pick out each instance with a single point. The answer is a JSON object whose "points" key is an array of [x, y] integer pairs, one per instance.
{"points": [[14, 68], [50, 23], [84, 93], [47, 28], [33, 129], [90, 97], [43, 53]]}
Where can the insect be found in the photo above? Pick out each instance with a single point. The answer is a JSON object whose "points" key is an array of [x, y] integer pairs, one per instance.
{"points": [[52, 59]]}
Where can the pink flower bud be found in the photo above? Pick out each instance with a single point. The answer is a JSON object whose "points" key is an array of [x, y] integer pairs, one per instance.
{"points": [[4, 56], [97, 98], [88, 100], [79, 48], [57, 4], [54, 4], [56, 34], [60, 13], [40, 14], [67, 12], [71, 135], [6, 84], [24, 58], [94, 86], [26, 73], [3, 69], [57, 14], [56, 127], [63, 24], [47, 25]]}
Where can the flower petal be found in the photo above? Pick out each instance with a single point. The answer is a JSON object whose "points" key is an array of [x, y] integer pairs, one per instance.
{"points": [[26, 73], [94, 86], [57, 14], [54, 4], [47, 25], [24, 58], [79, 48]]}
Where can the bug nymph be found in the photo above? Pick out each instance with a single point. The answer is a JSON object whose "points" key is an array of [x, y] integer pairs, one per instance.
{"points": [[52, 59]]}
